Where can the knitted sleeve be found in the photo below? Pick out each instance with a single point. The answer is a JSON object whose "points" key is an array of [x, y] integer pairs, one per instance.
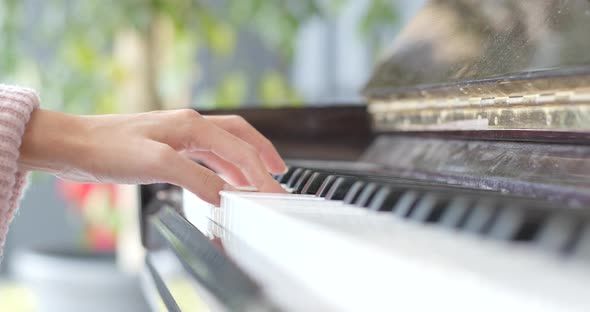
{"points": [[16, 106]]}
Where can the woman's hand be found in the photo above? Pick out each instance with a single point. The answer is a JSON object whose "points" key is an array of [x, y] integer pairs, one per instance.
{"points": [[152, 147]]}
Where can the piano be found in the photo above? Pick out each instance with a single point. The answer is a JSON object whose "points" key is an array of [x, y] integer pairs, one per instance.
{"points": [[461, 184]]}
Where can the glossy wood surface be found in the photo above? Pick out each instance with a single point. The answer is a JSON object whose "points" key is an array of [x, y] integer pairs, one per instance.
{"points": [[332, 132]]}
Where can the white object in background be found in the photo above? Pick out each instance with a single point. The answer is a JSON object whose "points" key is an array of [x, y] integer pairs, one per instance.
{"points": [[130, 251], [72, 282]]}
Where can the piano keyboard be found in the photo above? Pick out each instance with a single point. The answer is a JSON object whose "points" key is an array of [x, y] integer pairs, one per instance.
{"points": [[347, 242], [485, 213]]}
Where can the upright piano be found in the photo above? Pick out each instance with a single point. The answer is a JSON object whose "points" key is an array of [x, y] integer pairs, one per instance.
{"points": [[462, 184]]}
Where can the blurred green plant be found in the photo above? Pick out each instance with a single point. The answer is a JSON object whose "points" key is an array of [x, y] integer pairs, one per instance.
{"points": [[68, 48]]}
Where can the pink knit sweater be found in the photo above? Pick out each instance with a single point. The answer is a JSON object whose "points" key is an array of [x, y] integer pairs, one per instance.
{"points": [[16, 106]]}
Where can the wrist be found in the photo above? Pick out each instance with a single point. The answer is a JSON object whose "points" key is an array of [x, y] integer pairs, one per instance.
{"points": [[52, 141]]}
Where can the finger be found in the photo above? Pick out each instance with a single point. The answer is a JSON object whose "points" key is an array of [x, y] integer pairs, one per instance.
{"points": [[219, 165], [209, 137], [179, 170], [239, 127]]}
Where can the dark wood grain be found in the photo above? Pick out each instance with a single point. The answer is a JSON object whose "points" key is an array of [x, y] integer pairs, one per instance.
{"points": [[333, 132]]}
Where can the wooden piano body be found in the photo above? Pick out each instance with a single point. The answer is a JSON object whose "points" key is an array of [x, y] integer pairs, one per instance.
{"points": [[462, 184]]}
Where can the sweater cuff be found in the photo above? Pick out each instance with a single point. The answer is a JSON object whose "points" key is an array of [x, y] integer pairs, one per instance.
{"points": [[16, 106]]}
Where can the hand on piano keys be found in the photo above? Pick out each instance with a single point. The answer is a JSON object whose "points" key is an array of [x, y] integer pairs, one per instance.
{"points": [[152, 147]]}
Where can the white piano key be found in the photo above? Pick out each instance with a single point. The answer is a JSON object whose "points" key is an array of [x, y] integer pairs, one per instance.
{"points": [[197, 211], [355, 259]]}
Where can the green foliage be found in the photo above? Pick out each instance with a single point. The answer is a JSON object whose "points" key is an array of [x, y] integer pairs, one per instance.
{"points": [[231, 91], [65, 48], [274, 90], [380, 12]]}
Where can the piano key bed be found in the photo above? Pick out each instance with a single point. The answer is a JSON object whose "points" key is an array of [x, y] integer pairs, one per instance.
{"points": [[346, 241]]}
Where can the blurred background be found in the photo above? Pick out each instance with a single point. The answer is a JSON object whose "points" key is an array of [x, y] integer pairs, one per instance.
{"points": [[109, 56]]}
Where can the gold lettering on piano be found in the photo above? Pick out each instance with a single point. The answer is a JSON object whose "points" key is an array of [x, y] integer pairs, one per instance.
{"points": [[552, 111]]}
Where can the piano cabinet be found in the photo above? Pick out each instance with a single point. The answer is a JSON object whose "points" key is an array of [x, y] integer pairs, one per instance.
{"points": [[461, 183]]}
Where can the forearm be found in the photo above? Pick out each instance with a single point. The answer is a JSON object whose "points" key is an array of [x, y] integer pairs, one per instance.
{"points": [[52, 141]]}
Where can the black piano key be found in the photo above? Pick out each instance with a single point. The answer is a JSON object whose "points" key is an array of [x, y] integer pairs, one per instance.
{"points": [[314, 183], [406, 204], [284, 178], [326, 186], [457, 212], [508, 223], [365, 197], [294, 177], [301, 181], [429, 208], [340, 188], [354, 192], [531, 227], [481, 217], [558, 233], [385, 199]]}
